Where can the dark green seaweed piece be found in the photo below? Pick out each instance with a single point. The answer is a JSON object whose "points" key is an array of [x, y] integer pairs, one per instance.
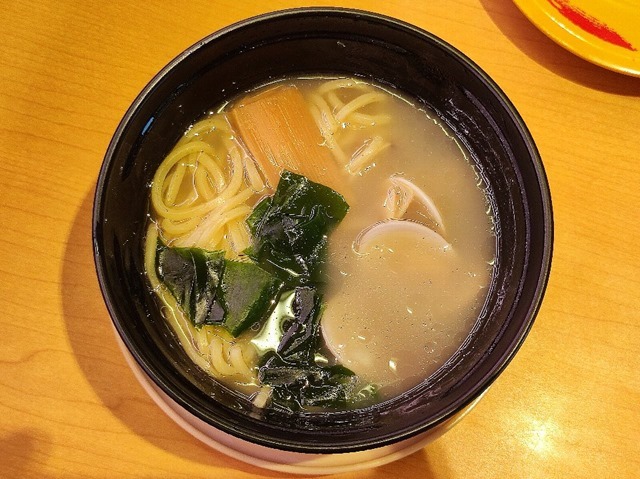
{"points": [[296, 380], [213, 290], [299, 386], [193, 276], [248, 295], [290, 228], [300, 337]]}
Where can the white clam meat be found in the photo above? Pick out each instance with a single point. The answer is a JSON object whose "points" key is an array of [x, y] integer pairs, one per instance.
{"points": [[404, 193], [377, 235]]}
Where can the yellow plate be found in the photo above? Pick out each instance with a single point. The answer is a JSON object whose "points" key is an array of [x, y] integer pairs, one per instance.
{"points": [[604, 32]]}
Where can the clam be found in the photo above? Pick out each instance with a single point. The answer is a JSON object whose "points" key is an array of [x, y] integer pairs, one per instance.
{"points": [[403, 193], [378, 233]]}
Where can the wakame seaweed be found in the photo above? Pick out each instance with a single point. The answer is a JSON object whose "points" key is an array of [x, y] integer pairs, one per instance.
{"points": [[213, 290], [299, 340], [248, 295], [193, 276], [299, 385], [290, 228], [295, 378]]}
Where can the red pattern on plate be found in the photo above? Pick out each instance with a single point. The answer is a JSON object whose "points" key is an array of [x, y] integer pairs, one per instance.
{"points": [[590, 24]]}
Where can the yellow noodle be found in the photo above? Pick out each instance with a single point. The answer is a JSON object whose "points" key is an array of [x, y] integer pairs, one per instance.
{"points": [[207, 225], [207, 125], [216, 241], [226, 246], [255, 180], [232, 237], [323, 125], [325, 131], [325, 113], [184, 213], [172, 312], [173, 229], [213, 170], [357, 103], [217, 357], [368, 120], [203, 184], [262, 397], [239, 198], [174, 183], [243, 232], [341, 83], [193, 165], [201, 339], [236, 232], [363, 157], [210, 227], [163, 170], [334, 101], [348, 117], [238, 361], [235, 181]]}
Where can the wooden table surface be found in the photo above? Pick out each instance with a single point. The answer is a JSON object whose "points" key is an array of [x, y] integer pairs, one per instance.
{"points": [[567, 406]]}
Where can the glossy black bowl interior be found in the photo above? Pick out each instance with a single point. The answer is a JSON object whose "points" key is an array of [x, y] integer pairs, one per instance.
{"points": [[332, 42]]}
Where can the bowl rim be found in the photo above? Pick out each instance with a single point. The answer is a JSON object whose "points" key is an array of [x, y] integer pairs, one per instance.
{"points": [[542, 187]]}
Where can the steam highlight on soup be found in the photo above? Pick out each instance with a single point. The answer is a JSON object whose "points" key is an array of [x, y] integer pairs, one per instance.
{"points": [[319, 243]]}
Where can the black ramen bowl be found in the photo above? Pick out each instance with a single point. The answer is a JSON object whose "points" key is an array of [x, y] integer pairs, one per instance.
{"points": [[323, 41]]}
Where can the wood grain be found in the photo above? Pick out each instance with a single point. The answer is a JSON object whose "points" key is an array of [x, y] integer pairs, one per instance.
{"points": [[567, 406]]}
